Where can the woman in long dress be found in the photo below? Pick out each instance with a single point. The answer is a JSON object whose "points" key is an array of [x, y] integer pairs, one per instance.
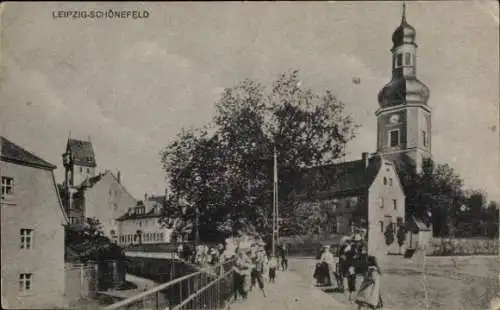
{"points": [[369, 292]]}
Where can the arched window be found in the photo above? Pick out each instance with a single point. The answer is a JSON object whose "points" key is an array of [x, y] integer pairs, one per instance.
{"points": [[398, 61], [385, 181], [408, 59]]}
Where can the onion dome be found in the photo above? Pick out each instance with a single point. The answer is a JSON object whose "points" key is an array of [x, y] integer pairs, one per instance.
{"points": [[405, 33], [403, 90]]}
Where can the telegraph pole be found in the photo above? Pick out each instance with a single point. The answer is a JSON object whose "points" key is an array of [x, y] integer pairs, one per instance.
{"points": [[275, 204]]}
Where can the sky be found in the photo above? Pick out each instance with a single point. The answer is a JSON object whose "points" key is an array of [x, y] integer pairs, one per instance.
{"points": [[132, 84]]}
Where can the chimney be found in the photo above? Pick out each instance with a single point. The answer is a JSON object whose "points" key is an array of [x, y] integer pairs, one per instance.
{"points": [[119, 176], [365, 158], [145, 197]]}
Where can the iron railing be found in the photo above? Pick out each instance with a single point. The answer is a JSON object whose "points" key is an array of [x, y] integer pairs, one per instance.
{"points": [[208, 288]]}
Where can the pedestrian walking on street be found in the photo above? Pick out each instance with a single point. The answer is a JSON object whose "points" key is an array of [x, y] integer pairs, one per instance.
{"points": [[257, 270], [369, 296], [328, 259], [273, 265], [284, 257], [242, 272]]}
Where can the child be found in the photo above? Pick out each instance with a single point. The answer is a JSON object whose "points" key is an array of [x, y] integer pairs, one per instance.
{"points": [[351, 281], [273, 264]]}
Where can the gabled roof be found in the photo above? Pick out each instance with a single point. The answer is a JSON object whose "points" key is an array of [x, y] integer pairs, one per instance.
{"points": [[90, 182], [14, 153], [340, 179], [82, 152], [415, 225], [152, 213], [87, 183]]}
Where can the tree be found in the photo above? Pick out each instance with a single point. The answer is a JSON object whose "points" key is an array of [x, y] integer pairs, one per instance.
{"points": [[401, 236], [225, 170], [389, 235], [492, 219], [434, 194], [88, 243]]}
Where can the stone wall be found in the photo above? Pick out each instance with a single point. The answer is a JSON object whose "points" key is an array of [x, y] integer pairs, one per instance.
{"points": [[81, 282]]}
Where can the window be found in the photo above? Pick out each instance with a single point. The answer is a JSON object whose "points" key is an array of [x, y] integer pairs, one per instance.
{"points": [[162, 236], [395, 204], [394, 138], [381, 202], [408, 59], [88, 170], [385, 181], [7, 187], [115, 206], [25, 282], [390, 181], [424, 138], [26, 239], [81, 170], [399, 60], [381, 226]]}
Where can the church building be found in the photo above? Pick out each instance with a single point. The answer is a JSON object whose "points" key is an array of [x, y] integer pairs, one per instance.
{"points": [[366, 194]]}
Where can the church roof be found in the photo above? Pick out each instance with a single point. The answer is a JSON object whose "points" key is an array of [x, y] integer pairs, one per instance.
{"points": [[82, 152], [403, 90], [9, 151], [340, 179]]}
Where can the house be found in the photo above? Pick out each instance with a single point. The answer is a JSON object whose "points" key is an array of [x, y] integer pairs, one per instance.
{"points": [[361, 195], [92, 195], [141, 224], [33, 275], [419, 234], [104, 198]]}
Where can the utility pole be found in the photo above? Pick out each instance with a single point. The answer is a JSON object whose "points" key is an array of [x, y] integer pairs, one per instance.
{"points": [[275, 204]]}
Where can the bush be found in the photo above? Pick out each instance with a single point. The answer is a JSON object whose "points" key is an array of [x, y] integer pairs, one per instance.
{"points": [[472, 246]]}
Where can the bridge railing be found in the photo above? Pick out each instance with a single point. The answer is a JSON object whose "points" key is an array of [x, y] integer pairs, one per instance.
{"points": [[208, 288]]}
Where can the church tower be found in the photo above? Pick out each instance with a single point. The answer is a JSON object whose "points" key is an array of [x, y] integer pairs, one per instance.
{"points": [[79, 162], [404, 118]]}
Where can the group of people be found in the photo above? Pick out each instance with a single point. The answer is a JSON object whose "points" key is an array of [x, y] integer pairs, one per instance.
{"points": [[352, 259], [201, 255], [255, 266]]}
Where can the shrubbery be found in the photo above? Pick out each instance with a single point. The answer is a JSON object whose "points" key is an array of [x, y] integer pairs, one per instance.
{"points": [[456, 247]]}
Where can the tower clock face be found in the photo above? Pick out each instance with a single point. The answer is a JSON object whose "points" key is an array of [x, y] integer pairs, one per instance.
{"points": [[394, 118]]}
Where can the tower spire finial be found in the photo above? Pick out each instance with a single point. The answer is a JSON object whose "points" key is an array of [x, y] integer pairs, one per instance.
{"points": [[403, 15]]}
